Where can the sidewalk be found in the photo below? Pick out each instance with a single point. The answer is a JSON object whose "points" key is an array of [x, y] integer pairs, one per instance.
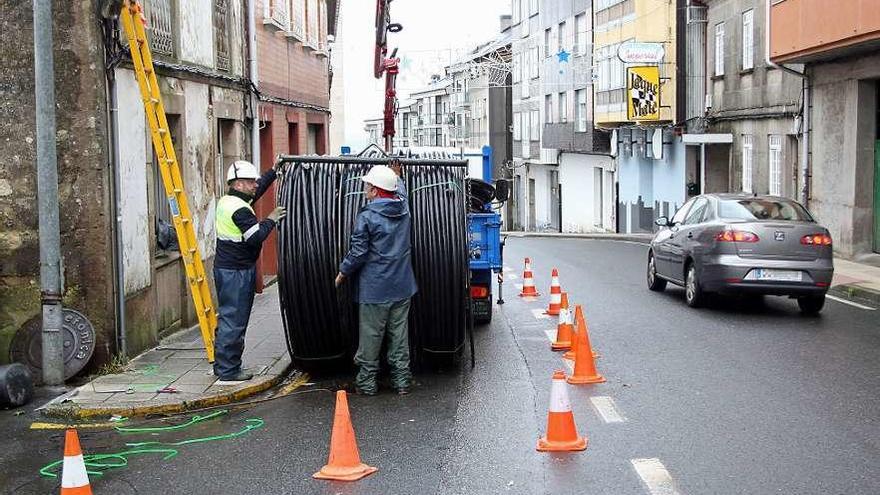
{"points": [[852, 280], [180, 363]]}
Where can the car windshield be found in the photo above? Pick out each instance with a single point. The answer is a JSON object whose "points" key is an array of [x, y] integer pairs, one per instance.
{"points": [[750, 209]]}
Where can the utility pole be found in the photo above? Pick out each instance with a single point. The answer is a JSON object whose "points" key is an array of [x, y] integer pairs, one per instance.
{"points": [[47, 195]]}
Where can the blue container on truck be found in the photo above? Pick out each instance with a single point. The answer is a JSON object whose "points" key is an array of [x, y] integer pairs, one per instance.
{"points": [[485, 248]]}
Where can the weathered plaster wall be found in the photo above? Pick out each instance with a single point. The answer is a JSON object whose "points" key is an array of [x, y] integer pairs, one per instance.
{"points": [[82, 170], [196, 32], [134, 162]]}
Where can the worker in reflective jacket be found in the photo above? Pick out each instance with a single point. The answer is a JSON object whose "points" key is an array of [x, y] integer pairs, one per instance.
{"points": [[239, 239], [379, 262]]}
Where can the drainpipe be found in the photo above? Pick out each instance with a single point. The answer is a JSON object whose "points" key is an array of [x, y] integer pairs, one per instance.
{"points": [[255, 80], [47, 195], [805, 131], [121, 343]]}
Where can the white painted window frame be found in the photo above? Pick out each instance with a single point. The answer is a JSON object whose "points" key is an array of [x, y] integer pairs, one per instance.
{"points": [[775, 163], [748, 148], [719, 49], [748, 39]]}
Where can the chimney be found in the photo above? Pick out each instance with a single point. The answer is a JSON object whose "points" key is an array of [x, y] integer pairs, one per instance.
{"points": [[506, 21]]}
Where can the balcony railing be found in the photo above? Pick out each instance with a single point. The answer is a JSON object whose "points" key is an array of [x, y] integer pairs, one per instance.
{"points": [[160, 27], [276, 13]]}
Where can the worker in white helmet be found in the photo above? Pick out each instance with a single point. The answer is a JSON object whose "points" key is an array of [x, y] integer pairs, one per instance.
{"points": [[240, 237], [379, 262]]}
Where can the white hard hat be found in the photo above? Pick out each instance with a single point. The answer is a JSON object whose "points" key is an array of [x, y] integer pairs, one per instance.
{"points": [[242, 170], [382, 177]]}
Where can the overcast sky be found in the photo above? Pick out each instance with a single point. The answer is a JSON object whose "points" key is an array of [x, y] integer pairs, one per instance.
{"points": [[434, 33]]}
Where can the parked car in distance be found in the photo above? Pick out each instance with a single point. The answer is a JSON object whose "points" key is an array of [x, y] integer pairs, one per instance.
{"points": [[739, 244]]}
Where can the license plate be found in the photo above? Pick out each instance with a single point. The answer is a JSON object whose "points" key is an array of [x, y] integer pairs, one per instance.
{"points": [[777, 275]]}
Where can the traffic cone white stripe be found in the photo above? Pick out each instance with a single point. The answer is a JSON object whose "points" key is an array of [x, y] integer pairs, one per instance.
{"points": [[559, 402], [556, 298], [73, 473]]}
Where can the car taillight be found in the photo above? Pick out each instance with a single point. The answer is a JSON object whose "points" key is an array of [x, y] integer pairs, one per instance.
{"points": [[736, 236], [816, 240], [479, 292]]}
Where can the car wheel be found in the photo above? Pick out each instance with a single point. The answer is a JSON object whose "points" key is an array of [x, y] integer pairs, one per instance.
{"points": [[811, 305], [655, 283], [693, 293]]}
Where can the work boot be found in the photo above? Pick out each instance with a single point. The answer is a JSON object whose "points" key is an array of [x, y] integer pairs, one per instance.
{"points": [[241, 376], [403, 391], [368, 393]]}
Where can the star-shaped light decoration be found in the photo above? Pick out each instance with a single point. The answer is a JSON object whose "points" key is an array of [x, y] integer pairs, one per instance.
{"points": [[563, 56]]}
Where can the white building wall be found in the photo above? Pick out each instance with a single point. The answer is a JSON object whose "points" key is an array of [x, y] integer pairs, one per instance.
{"points": [[197, 31], [578, 177], [196, 164], [133, 168]]}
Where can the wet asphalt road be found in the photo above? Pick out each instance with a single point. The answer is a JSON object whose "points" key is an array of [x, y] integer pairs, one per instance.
{"points": [[742, 397]]}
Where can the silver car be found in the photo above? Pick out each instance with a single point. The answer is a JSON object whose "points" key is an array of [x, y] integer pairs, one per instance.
{"points": [[728, 243]]}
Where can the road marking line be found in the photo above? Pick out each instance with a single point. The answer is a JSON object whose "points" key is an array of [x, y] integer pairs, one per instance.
{"points": [[539, 314], [569, 364], [512, 276], [844, 301], [508, 269], [551, 334], [606, 408], [655, 476], [518, 286]]}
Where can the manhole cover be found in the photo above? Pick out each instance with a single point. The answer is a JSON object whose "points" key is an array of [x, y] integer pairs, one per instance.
{"points": [[79, 344]]}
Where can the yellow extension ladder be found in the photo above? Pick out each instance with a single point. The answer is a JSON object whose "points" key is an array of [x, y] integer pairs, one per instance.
{"points": [[133, 22]]}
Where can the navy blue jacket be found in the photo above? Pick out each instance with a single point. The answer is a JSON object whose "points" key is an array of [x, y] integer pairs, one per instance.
{"points": [[379, 256], [243, 255]]}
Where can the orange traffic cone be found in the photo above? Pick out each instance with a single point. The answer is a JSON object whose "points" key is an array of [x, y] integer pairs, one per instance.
{"points": [[563, 329], [74, 478], [528, 289], [584, 366], [344, 463], [555, 294], [561, 432], [571, 354]]}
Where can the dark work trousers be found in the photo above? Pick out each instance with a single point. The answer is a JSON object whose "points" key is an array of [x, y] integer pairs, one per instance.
{"points": [[235, 292], [377, 321]]}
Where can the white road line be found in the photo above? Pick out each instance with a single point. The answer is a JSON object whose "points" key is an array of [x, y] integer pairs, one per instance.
{"points": [[655, 476], [538, 313], [551, 334], [844, 301], [518, 286], [569, 364], [606, 408], [512, 276], [508, 269]]}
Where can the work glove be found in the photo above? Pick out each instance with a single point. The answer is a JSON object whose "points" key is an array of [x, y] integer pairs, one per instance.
{"points": [[277, 214]]}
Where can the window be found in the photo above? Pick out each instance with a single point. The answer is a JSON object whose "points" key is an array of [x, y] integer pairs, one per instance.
{"points": [[563, 108], [524, 86], [533, 67], [548, 109], [515, 10], [526, 135], [276, 14], [535, 122], [524, 14], [517, 126], [312, 23], [227, 151], [580, 37], [581, 110], [612, 74], [719, 49], [548, 35], [679, 215], [697, 211], [160, 27], [298, 19], [748, 40], [776, 165], [761, 209], [533, 7], [560, 37], [517, 70], [164, 222], [747, 141]]}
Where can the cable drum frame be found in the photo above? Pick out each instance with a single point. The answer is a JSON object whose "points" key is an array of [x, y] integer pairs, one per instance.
{"points": [[444, 294]]}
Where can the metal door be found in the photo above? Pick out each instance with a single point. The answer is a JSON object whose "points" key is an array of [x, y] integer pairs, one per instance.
{"points": [[532, 213], [555, 200]]}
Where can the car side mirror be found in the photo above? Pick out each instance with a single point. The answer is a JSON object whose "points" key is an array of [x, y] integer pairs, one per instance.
{"points": [[502, 190], [662, 221]]}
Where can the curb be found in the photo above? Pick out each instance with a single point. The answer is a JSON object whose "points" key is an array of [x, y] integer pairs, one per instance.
{"points": [[856, 293], [77, 412], [640, 239]]}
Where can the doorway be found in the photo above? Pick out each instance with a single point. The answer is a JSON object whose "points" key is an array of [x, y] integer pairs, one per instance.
{"points": [[598, 198], [532, 214], [555, 201]]}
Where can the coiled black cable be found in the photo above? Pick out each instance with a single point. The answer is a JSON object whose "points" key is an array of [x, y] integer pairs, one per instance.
{"points": [[323, 199]]}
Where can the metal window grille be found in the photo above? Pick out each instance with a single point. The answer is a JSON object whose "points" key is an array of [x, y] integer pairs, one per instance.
{"points": [[312, 20], [747, 145], [776, 165], [221, 33], [298, 19], [276, 12], [160, 27]]}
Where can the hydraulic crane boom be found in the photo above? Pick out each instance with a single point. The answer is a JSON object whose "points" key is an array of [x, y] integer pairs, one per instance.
{"points": [[390, 66]]}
